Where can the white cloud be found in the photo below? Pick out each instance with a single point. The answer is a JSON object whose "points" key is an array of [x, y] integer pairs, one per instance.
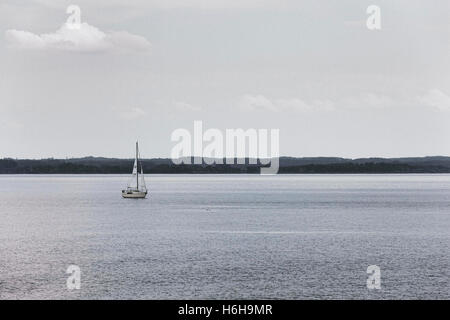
{"points": [[434, 98], [437, 99], [87, 39], [9, 124], [256, 102], [293, 105], [132, 113], [259, 102], [183, 106], [369, 100]]}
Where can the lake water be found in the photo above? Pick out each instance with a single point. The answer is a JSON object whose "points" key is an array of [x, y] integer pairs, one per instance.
{"points": [[226, 237]]}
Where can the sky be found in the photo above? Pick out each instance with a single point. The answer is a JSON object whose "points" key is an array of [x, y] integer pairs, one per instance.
{"points": [[141, 69]]}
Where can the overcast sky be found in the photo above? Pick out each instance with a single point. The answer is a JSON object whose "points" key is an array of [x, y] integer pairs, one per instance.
{"points": [[141, 69]]}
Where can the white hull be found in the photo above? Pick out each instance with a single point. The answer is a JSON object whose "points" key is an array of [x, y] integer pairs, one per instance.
{"points": [[134, 195]]}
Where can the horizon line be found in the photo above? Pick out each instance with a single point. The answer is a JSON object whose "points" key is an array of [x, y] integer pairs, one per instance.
{"points": [[169, 158]]}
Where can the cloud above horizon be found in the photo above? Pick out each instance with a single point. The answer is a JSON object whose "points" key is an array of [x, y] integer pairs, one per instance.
{"points": [[437, 99], [260, 102], [433, 98], [85, 39], [184, 106], [132, 113]]}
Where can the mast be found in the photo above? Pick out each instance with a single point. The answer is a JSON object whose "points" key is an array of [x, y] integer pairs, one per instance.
{"points": [[137, 166]]}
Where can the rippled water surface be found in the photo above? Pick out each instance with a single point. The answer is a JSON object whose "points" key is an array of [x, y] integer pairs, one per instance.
{"points": [[226, 236]]}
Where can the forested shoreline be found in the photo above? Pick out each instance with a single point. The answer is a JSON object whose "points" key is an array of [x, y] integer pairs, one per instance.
{"points": [[288, 165]]}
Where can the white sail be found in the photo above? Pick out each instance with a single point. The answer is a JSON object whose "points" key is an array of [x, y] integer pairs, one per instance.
{"points": [[133, 183]]}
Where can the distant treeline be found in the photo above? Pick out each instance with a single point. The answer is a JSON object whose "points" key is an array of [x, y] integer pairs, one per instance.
{"points": [[91, 165]]}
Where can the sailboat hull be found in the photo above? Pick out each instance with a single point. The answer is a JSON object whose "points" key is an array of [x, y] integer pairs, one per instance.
{"points": [[134, 195]]}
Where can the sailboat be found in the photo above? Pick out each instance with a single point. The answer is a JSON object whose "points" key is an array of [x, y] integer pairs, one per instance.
{"points": [[136, 188]]}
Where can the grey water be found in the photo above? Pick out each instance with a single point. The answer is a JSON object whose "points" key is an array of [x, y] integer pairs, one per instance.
{"points": [[225, 237]]}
